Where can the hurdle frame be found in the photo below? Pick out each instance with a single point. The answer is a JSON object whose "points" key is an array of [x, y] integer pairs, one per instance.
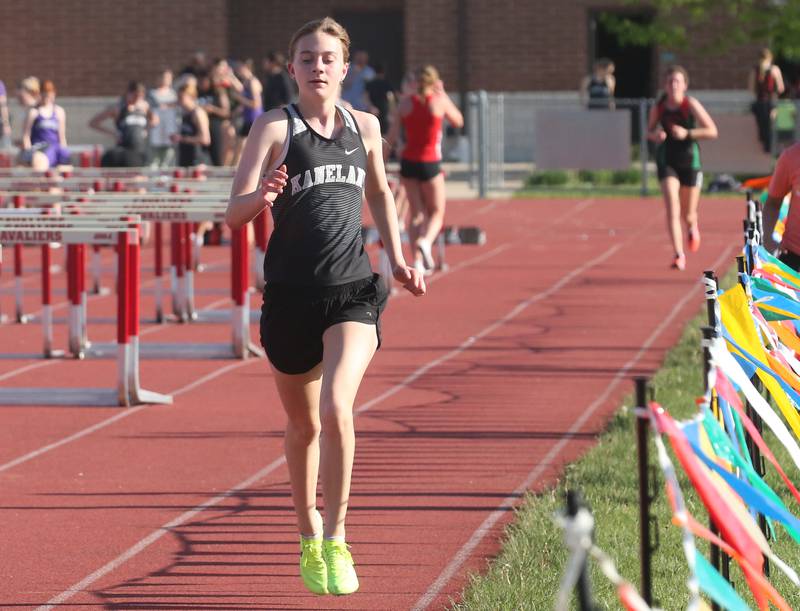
{"points": [[128, 390]]}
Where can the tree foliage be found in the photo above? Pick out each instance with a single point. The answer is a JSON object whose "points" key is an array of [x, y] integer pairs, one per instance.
{"points": [[775, 23]]}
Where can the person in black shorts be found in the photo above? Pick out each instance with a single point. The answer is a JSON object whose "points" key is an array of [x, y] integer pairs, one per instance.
{"points": [[381, 97], [421, 113], [766, 83], [193, 135], [676, 122], [310, 164], [132, 118]]}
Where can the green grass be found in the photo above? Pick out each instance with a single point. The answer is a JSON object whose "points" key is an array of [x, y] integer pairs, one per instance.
{"points": [[526, 573], [595, 183]]}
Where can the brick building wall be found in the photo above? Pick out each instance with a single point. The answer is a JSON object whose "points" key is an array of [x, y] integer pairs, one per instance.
{"points": [[93, 47]]}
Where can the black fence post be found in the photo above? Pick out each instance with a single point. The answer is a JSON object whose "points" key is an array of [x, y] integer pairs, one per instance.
{"points": [[645, 548]]}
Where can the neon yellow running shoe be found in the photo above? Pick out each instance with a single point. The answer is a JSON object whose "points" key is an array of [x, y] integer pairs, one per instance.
{"points": [[342, 578], [312, 565]]}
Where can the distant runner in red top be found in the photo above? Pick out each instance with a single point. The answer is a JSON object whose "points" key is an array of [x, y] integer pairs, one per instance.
{"points": [[421, 111]]}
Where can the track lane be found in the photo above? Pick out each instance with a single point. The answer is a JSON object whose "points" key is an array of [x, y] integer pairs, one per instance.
{"points": [[416, 475]]}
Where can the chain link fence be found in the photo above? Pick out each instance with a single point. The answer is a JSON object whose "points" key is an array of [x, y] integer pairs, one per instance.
{"points": [[555, 131]]}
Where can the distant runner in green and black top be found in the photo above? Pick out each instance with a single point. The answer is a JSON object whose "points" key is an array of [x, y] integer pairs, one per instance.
{"points": [[676, 122]]}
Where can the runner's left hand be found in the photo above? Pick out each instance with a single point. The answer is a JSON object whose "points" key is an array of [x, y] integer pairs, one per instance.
{"points": [[410, 278]]}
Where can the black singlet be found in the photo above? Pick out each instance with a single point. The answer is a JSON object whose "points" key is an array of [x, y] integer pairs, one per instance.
{"points": [[316, 241], [677, 153], [132, 127], [190, 154], [599, 93], [766, 87]]}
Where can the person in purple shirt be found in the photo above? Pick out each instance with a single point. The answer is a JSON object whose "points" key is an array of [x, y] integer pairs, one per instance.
{"points": [[44, 135], [250, 101], [5, 124]]}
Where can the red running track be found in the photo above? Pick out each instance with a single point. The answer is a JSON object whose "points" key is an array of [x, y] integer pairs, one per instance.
{"points": [[485, 388]]}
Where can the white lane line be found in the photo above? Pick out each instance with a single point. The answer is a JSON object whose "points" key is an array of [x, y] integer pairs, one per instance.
{"points": [[581, 205], [466, 550], [487, 330], [130, 411], [18, 371], [157, 534], [457, 268]]}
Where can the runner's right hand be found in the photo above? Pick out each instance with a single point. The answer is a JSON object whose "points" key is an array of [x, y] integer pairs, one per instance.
{"points": [[272, 184]]}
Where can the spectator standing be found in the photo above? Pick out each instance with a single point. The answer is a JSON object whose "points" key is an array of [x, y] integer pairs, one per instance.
{"points": [[380, 94], [766, 83], [250, 102], [213, 98], [44, 135], [132, 118], [5, 122], [279, 88], [28, 94], [164, 104], [198, 64], [597, 89], [354, 85], [193, 137]]}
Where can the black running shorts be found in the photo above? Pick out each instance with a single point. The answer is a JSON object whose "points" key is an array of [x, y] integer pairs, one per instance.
{"points": [[244, 129], [420, 170], [293, 318], [687, 177]]}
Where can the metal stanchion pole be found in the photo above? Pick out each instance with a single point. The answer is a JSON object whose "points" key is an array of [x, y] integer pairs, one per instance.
{"points": [[645, 549], [483, 144], [643, 148]]}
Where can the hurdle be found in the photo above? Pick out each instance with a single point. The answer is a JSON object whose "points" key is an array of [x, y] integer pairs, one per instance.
{"points": [[240, 345], [175, 200], [128, 390], [181, 216], [32, 219], [181, 211], [449, 235]]}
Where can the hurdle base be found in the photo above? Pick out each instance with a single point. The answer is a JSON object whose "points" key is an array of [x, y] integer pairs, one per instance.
{"points": [[223, 316], [141, 396], [189, 352], [99, 397]]}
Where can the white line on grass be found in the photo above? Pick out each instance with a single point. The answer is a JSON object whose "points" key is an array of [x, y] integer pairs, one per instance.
{"points": [[157, 534], [467, 549]]}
